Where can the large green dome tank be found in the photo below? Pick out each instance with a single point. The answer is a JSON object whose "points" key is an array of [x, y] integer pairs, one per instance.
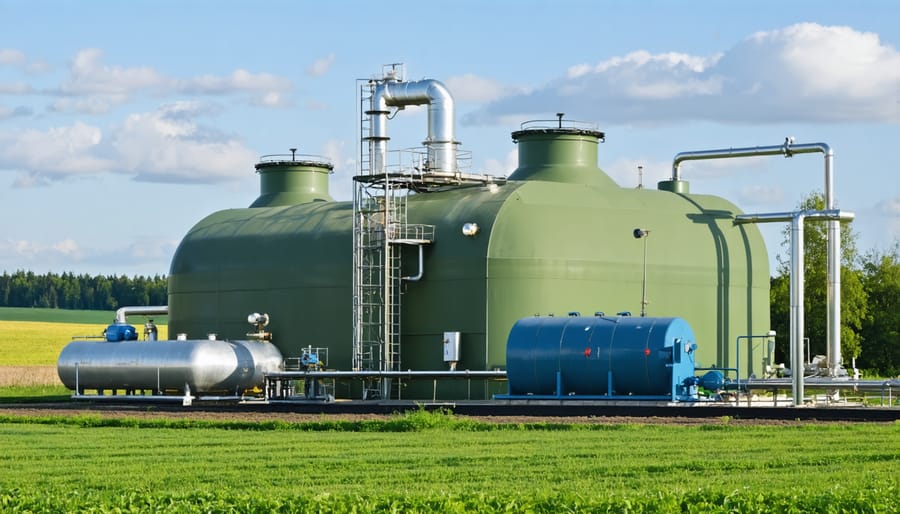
{"points": [[557, 237]]}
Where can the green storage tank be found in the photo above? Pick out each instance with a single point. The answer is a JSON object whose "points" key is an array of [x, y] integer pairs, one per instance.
{"points": [[557, 237]]}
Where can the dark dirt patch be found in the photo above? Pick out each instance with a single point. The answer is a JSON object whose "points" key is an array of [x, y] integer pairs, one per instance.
{"points": [[152, 412]]}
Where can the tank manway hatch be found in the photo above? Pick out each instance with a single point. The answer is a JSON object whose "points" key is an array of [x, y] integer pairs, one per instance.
{"points": [[291, 179]]}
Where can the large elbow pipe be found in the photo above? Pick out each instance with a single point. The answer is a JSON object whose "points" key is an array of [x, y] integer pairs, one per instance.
{"points": [[440, 141]]}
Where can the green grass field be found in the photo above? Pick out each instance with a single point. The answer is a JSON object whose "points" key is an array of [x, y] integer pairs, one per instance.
{"points": [[68, 316], [426, 462], [421, 461]]}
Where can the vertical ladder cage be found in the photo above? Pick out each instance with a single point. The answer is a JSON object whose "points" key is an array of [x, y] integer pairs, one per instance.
{"points": [[380, 226]]}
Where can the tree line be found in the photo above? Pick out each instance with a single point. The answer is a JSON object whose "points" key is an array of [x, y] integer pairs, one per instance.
{"points": [[70, 291], [870, 299]]}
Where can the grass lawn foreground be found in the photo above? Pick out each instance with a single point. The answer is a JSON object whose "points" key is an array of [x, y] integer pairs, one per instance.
{"points": [[437, 461], [414, 462]]}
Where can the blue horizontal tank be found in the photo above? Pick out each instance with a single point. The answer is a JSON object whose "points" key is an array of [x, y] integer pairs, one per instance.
{"points": [[601, 356]]}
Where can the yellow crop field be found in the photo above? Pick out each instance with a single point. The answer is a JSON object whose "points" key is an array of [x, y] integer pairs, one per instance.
{"points": [[29, 349], [37, 343]]}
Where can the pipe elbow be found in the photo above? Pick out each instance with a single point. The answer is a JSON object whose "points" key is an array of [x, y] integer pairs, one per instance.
{"points": [[438, 92]]}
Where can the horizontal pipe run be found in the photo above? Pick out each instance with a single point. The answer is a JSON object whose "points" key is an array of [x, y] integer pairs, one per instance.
{"points": [[149, 310], [130, 397], [825, 383], [786, 150], [785, 217], [362, 375], [575, 397]]}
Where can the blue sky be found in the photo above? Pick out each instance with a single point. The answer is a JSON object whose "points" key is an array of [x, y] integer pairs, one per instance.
{"points": [[124, 123]]}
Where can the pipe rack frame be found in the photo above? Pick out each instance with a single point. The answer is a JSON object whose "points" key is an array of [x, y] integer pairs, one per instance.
{"points": [[797, 280], [789, 149]]}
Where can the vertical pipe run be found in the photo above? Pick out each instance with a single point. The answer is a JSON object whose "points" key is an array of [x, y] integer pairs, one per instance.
{"points": [[418, 276], [387, 359], [644, 283], [797, 299], [833, 291]]}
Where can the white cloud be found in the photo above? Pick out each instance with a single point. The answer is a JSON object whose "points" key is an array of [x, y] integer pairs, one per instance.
{"points": [[6, 112], [341, 182], [20, 249], [271, 99], [239, 80], [90, 77], [265, 89], [132, 258], [320, 66], [472, 88], [67, 247], [166, 145], [150, 249], [87, 105], [29, 180], [502, 167], [94, 87], [53, 153], [17, 58], [11, 57], [803, 73], [15, 88]]}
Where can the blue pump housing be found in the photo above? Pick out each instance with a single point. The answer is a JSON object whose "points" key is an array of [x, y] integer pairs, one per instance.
{"points": [[120, 332], [601, 357]]}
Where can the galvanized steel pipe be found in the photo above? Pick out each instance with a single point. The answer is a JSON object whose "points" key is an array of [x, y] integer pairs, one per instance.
{"points": [[788, 149], [440, 141], [124, 312], [439, 374], [797, 279], [418, 276]]}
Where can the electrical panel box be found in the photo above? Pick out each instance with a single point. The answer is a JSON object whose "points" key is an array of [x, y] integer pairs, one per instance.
{"points": [[451, 346]]}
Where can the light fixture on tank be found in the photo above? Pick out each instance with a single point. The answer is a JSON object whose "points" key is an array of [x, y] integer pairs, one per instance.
{"points": [[470, 229]]}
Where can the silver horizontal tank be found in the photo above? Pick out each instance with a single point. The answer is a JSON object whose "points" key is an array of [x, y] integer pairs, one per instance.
{"points": [[186, 366]]}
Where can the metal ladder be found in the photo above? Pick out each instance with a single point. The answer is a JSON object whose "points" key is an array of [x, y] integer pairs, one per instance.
{"points": [[380, 230], [379, 214]]}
